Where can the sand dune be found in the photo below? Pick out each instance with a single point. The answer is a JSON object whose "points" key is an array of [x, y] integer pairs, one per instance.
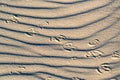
{"points": [[59, 39]]}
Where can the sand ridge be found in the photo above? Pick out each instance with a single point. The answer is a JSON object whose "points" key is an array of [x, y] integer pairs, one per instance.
{"points": [[59, 40]]}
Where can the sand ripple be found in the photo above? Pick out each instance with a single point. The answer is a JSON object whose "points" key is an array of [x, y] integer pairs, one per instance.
{"points": [[59, 40]]}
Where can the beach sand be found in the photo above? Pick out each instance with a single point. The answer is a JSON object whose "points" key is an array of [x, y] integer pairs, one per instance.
{"points": [[59, 39]]}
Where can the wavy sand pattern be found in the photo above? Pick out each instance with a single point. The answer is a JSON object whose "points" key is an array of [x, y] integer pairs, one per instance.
{"points": [[59, 39]]}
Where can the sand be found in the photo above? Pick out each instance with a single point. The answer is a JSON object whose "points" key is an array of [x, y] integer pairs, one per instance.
{"points": [[59, 39]]}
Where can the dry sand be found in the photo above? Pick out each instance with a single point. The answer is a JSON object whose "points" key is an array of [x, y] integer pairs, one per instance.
{"points": [[59, 39]]}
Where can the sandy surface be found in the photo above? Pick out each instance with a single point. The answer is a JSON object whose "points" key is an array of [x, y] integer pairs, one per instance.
{"points": [[59, 39]]}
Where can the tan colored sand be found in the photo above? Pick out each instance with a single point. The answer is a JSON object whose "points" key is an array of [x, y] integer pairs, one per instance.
{"points": [[59, 40]]}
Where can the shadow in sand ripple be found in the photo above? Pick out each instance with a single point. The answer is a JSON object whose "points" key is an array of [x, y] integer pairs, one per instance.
{"points": [[60, 17], [26, 7], [48, 51], [29, 43], [41, 56], [80, 1]]}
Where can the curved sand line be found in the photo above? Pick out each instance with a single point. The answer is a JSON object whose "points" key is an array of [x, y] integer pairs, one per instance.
{"points": [[59, 40]]}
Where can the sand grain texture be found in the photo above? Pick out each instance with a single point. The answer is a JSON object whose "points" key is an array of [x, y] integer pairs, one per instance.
{"points": [[59, 39]]}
